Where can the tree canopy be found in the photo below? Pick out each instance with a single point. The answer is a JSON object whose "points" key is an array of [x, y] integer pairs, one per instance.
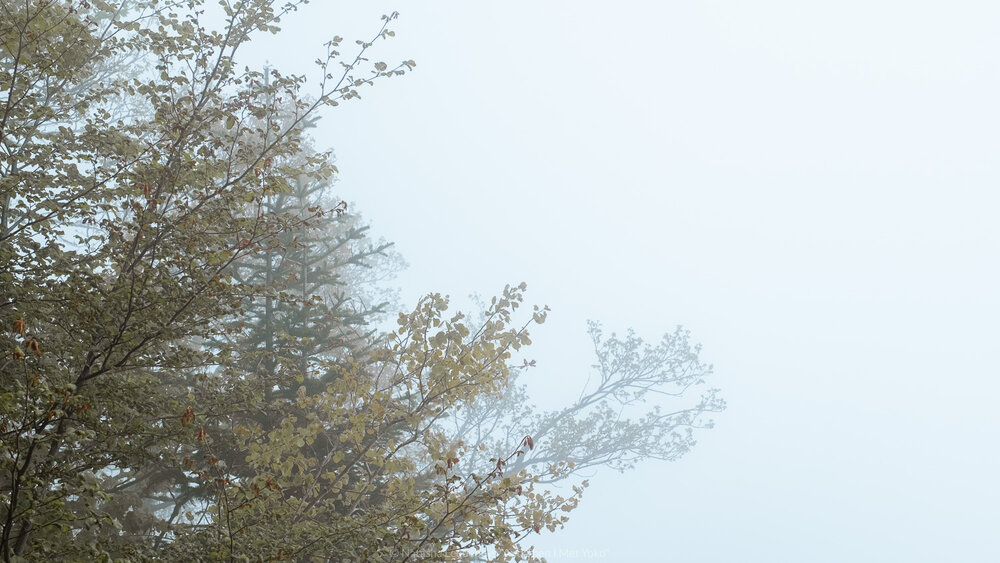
{"points": [[191, 368]]}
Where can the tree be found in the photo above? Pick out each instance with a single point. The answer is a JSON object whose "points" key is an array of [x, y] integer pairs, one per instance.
{"points": [[185, 374], [609, 424]]}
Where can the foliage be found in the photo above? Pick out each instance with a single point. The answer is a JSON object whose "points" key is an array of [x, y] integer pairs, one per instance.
{"points": [[189, 370]]}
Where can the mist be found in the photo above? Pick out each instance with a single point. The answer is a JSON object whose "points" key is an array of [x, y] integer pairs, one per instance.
{"points": [[808, 188], [795, 200]]}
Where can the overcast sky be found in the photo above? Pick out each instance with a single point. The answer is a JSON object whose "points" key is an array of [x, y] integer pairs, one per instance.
{"points": [[810, 187]]}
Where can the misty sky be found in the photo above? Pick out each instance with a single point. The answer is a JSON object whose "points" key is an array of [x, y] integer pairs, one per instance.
{"points": [[810, 187]]}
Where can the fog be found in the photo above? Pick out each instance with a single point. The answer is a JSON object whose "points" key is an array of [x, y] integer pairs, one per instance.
{"points": [[809, 187]]}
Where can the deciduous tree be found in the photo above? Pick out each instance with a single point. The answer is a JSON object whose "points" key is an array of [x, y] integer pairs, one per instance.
{"points": [[185, 374]]}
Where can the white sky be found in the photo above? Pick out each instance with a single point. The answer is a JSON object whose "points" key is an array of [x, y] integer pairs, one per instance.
{"points": [[810, 187]]}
